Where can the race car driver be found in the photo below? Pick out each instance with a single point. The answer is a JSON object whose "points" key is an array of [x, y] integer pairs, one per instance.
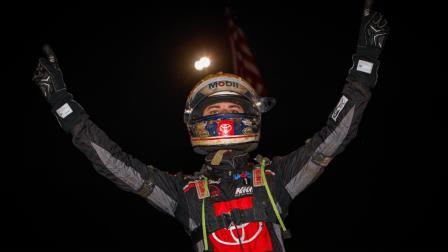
{"points": [[235, 202]]}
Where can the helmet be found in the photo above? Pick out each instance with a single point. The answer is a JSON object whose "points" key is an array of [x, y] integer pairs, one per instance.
{"points": [[233, 131]]}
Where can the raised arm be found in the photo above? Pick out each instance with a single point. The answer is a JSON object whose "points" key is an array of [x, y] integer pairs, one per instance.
{"points": [[300, 168], [158, 188]]}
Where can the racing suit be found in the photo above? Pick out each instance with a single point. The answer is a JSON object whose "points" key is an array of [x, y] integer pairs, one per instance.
{"points": [[237, 212], [231, 218]]}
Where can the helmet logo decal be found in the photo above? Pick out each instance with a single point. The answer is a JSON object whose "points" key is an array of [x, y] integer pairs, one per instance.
{"points": [[247, 131], [201, 131], [247, 122], [225, 128], [222, 84]]}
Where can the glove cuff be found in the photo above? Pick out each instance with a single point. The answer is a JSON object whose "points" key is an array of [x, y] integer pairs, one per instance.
{"points": [[364, 70], [59, 97], [66, 110], [368, 52]]}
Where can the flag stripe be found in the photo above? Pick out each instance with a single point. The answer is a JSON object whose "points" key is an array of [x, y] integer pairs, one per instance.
{"points": [[243, 61]]}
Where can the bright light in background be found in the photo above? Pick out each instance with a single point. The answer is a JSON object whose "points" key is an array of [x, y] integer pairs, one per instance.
{"points": [[202, 63], [205, 61]]}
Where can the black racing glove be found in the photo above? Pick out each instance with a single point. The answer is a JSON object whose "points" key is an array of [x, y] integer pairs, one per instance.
{"points": [[372, 35], [48, 77]]}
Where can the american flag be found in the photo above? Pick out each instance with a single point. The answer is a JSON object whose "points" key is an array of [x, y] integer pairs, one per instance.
{"points": [[243, 60]]}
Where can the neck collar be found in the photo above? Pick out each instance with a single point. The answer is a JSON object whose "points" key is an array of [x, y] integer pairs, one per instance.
{"points": [[231, 160]]}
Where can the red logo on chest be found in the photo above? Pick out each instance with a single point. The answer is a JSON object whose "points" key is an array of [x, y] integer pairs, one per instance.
{"points": [[252, 236]]}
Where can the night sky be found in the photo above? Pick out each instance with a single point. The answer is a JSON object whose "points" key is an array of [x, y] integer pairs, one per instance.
{"points": [[131, 68]]}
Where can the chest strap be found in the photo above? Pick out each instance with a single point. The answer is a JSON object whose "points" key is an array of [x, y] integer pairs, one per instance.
{"points": [[205, 195]]}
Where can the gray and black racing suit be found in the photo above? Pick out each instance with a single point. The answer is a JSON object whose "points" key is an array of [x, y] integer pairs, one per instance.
{"points": [[239, 215], [233, 211]]}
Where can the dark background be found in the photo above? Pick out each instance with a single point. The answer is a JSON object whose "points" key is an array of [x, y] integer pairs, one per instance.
{"points": [[131, 67]]}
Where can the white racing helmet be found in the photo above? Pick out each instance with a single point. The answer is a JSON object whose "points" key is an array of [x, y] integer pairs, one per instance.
{"points": [[239, 131]]}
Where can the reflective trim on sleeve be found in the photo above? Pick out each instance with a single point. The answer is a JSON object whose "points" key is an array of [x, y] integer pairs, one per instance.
{"points": [[302, 179], [310, 170], [162, 200], [191, 224], [335, 139], [119, 169]]}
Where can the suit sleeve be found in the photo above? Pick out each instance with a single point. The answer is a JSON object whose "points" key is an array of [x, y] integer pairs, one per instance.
{"points": [[300, 168], [159, 188]]}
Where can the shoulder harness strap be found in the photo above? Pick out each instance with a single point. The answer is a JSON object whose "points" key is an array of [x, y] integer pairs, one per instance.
{"points": [[256, 181]]}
